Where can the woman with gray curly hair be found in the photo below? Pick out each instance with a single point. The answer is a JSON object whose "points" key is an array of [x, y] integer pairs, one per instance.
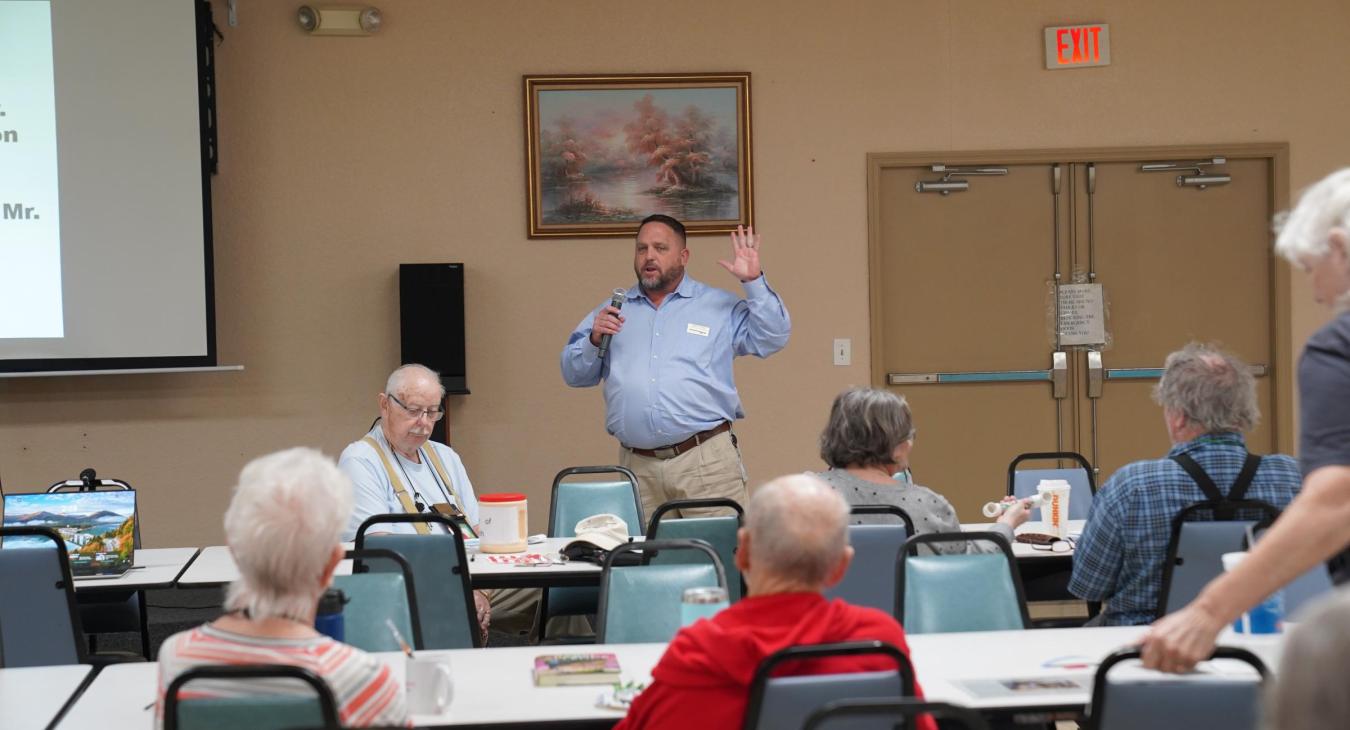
{"points": [[283, 527], [868, 438]]}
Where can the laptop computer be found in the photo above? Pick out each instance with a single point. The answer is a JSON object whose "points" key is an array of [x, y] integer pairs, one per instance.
{"points": [[98, 528]]}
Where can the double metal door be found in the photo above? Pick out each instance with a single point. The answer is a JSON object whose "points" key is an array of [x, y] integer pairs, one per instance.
{"points": [[1032, 310]]}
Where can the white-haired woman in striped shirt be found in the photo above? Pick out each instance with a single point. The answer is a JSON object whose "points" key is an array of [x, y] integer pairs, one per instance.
{"points": [[283, 527]]}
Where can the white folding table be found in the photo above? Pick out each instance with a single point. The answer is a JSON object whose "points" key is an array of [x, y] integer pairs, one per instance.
{"points": [[30, 697]]}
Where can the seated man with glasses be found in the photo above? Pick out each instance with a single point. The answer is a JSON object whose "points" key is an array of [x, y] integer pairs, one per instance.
{"points": [[395, 468]]}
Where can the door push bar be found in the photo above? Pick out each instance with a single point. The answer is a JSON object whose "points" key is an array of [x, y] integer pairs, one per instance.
{"points": [[1057, 376]]}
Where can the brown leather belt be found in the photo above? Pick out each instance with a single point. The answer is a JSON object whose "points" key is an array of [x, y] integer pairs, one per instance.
{"points": [[674, 450]]}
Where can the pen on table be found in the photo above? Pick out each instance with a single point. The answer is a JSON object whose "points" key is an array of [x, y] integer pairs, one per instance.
{"points": [[398, 637]]}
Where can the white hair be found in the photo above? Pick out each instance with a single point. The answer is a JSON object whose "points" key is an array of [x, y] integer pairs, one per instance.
{"points": [[399, 378], [1308, 692], [798, 529], [287, 514], [1322, 207]]}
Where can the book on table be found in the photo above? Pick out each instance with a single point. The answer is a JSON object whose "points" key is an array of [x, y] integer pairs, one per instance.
{"points": [[556, 669]]}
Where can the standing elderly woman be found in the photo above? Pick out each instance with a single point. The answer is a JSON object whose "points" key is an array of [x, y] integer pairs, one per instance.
{"points": [[868, 438], [282, 527], [1316, 526]]}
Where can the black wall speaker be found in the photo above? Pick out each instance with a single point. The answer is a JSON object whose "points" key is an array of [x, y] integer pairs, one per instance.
{"points": [[431, 320]]}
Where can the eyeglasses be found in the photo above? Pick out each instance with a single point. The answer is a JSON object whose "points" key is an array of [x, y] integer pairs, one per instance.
{"points": [[435, 414], [1059, 545]]}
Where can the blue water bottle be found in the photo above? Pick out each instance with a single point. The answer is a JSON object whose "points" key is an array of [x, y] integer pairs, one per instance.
{"points": [[1266, 617], [328, 619]]}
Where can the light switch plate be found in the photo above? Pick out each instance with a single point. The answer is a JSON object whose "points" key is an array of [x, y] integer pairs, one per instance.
{"points": [[843, 351]]}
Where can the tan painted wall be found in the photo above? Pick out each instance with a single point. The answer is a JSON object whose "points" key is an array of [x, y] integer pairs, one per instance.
{"points": [[343, 157]]}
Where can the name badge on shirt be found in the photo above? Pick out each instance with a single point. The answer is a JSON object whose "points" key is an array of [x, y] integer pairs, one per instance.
{"points": [[698, 329]]}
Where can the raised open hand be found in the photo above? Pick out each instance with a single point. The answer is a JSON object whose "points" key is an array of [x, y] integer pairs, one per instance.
{"points": [[745, 254]]}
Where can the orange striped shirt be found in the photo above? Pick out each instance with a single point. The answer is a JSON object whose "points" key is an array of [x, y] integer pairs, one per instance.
{"points": [[366, 690]]}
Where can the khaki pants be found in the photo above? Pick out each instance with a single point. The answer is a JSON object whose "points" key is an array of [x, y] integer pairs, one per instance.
{"points": [[513, 609], [711, 469]]}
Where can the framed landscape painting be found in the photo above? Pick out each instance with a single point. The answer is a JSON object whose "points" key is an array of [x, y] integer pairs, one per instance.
{"points": [[605, 151]]}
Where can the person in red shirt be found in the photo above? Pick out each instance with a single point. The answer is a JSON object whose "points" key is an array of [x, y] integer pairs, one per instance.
{"points": [[794, 545]]}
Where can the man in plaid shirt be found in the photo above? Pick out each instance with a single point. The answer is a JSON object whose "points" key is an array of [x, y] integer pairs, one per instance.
{"points": [[1208, 399]]}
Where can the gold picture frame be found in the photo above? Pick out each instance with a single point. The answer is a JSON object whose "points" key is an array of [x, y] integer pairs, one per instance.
{"points": [[603, 151]]}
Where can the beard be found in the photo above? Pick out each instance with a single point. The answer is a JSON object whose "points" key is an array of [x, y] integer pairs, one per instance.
{"points": [[661, 280]]}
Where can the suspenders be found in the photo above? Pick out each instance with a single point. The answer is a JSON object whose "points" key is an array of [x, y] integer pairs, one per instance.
{"points": [[401, 492], [1223, 509]]}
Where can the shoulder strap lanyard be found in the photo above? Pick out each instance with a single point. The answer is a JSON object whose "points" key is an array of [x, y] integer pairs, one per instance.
{"points": [[436, 464], [1235, 493], [408, 505]]}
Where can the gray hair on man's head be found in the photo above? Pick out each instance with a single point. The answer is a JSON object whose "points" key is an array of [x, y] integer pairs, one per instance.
{"points": [[286, 516], [798, 529], [1210, 387], [1308, 692], [865, 426], [1323, 206], [412, 371]]}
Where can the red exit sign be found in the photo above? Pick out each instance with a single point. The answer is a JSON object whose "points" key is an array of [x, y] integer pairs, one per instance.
{"points": [[1078, 46]]}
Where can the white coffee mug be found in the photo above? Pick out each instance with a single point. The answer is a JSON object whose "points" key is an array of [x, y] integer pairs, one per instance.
{"points": [[429, 685]]}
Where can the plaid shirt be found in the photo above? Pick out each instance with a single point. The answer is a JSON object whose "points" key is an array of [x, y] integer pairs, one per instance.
{"points": [[1119, 559]]}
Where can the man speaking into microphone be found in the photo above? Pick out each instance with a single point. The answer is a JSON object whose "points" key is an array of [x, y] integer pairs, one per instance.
{"points": [[670, 395]]}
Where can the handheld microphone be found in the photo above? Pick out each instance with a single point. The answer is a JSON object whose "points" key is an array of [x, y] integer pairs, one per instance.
{"points": [[617, 302]]}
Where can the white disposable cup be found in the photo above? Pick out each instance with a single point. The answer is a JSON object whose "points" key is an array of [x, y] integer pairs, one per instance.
{"points": [[1055, 506], [429, 685]]}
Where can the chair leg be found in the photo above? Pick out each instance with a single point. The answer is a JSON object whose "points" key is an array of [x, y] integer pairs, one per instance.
{"points": [[540, 618], [145, 624]]}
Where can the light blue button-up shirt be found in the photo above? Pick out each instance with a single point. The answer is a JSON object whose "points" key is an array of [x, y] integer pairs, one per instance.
{"points": [[668, 373]]}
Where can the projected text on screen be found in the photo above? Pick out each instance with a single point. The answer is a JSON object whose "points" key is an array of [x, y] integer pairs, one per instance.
{"points": [[30, 235]]}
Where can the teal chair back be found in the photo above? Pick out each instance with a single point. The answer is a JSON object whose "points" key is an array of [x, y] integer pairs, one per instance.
{"points": [[1194, 558], [877, 533], [375, 598], [1082, 487], [1177, 702], [719, 532], [39, 623], [951, 593], [778, 701], [574, 501], [441, 568], [1201, 533], [257, 712], [641, 603]]}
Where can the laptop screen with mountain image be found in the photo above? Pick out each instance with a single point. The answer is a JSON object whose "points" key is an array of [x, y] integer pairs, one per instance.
{"points": [[97, 527]]}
